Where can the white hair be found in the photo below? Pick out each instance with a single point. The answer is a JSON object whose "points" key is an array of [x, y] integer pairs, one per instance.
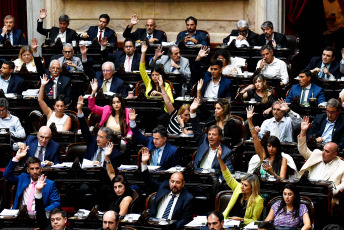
{"points": [[110, 63]]}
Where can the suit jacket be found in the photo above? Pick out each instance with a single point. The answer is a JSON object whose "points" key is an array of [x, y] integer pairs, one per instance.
{"points": [[92, 146], [15, 84], [51, 197], [166, 62], [170, 156], [342, 68], [224, 89], [318, 127], [71, 35], [18, 38], [317, 61], [203, 147], [141, 34], [183, 209], [251, 38], [117, 84], [279, 38], [51, 152], [200, 37], [64, 86], [335, 174], [317, 92], [119, 58], [109, 33]]}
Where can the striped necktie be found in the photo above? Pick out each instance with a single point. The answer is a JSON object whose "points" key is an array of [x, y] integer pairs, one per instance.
{"points": [[168, 208]]}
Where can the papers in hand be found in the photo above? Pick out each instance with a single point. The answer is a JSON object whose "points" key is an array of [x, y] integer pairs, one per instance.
{"points": [[128, 167], [9, 212], [63, 165]]}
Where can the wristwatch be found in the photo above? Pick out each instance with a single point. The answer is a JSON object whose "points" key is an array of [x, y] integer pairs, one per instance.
{"points": [[108, 162]]}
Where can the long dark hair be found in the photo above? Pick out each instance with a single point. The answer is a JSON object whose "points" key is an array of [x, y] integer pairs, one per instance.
{"points": [[122, 113], [296, 202], [276, 164], [159, 69]]}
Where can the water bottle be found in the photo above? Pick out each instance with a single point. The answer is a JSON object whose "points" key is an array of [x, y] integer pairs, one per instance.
{"points": [[54, 91]]}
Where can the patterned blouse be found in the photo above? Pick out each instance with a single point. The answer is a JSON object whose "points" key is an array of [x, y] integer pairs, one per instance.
{"points": [[286, 219]]}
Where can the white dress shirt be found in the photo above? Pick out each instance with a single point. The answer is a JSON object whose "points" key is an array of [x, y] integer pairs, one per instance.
{"points": [[128, 63], [103, 31], [208, 159], [163, 204], [320, 171], [276, 68], [62, 36], [108, 85], [43, 151], [212, 89], [4, 84]]}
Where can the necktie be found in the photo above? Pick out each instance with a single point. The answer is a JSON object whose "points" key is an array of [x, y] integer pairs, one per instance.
{"points": [[323, 76], [127, 66], [99, 155], [156, 157], [9, 35], [52, 87], [31, 197], [149, 37], [303, 99], [168, 208], [40, 153], [277, 131], [104, 86], [100, 35], [173, 69]]}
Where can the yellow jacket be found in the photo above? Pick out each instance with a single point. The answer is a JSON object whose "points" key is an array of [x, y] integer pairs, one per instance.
{"points": [[253, 211], [147, 81]]}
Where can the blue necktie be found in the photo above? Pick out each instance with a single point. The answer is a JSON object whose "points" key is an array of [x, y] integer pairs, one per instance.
{"points": [[149, 37], [168, 208], [323, 76], [156, 157], [173, 69]]}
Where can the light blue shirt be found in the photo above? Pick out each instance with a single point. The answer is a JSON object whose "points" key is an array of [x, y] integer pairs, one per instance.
{"points": [[327, 134], [157, 155], [321, 72], [102, 153], [13, 123], [4, 84]]}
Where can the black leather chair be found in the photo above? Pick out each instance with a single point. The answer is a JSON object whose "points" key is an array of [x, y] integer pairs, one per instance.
{"points": [[293, 43], [150, 200], [75, 150], [222, 199]]}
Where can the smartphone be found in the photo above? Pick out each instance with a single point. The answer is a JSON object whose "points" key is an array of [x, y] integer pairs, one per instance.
{"points": [[266, 162]]}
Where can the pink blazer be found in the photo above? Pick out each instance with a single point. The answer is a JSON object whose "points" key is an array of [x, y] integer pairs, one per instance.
{"points": [[106, 112]]}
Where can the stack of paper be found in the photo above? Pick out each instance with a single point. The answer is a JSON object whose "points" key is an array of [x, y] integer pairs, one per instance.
{"points": [[31, 93], [128, 167], [63, 165], [9, 212], [89, 164], [174, 169], [252, 226], [231, 223], [198, 221], [153, 168]]}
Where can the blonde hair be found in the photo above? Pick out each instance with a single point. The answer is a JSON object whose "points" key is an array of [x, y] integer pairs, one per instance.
{"points": [[253, 180], [226, 106], [265, 91], [183, 108]]}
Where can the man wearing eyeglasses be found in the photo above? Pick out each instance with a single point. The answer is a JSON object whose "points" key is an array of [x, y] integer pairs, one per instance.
{"points": [[329, 127], [72, 63], [63, 83], [242, 34]]}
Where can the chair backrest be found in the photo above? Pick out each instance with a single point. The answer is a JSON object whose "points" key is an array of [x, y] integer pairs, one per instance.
{"points": [[222, 199], [150, 200], [72, 114], [140, 87], [304, 200], [133, 202], [239, 126], [293, 43], [75, 150], [93, 119], [139, 156]]}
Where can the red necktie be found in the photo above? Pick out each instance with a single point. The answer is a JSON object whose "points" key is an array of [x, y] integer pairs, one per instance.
{"points": [[51, 90], [100, 35]]}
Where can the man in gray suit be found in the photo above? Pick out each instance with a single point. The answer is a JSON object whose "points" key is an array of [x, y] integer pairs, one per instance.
{"points": [[173, 62]]}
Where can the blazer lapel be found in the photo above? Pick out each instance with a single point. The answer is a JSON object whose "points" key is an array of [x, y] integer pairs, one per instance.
{"points": [[10, 84], [164, 155]]}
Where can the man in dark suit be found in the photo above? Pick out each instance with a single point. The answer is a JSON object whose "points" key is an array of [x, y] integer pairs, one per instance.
{"points": [[243, 33], [96, 144], [325, 66], [58, 217], [163, 153], [269, 36], [191, 36], [9, 82], [101, 31], [64, 85], [208, 144], [129, 59], [41, 146], [63, 32], [154, 36], [107, 80], [172, 201], [305, 90], [329, 127], [15, 36], [212, 84], [26, 183]]}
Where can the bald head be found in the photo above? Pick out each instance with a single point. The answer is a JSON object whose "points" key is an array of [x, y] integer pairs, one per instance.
{"points": [[177, 182], [109, 220], [330, 151], [150, 26], [44, 135]]}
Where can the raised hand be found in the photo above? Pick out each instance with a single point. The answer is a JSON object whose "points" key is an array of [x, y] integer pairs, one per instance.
{"points": [[200, 85], [83, 49], [161, 81], [283, 105], [44, 80], [195, 104], [132, 114], [145, 155], [94, 85], [134, 19], [43, 13], [40, 183], [159, 52], [219, 152], [104, 41], [250, 111], [4, 30], [305, 124], [203, 52], [108, 149], [22, 152], [144, 47], [80, 103], [34, 44]]}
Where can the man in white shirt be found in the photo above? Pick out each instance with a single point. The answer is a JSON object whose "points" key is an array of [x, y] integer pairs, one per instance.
{"points": [[7, 120], [172, 201], [283, 124], [322, 165], [270, 65]]}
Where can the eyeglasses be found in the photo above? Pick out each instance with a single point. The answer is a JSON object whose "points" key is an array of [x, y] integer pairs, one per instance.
{"points": [[67, 52], [331, 112], [3, 110], [107, 71], [55, 68], [242, 31]]}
